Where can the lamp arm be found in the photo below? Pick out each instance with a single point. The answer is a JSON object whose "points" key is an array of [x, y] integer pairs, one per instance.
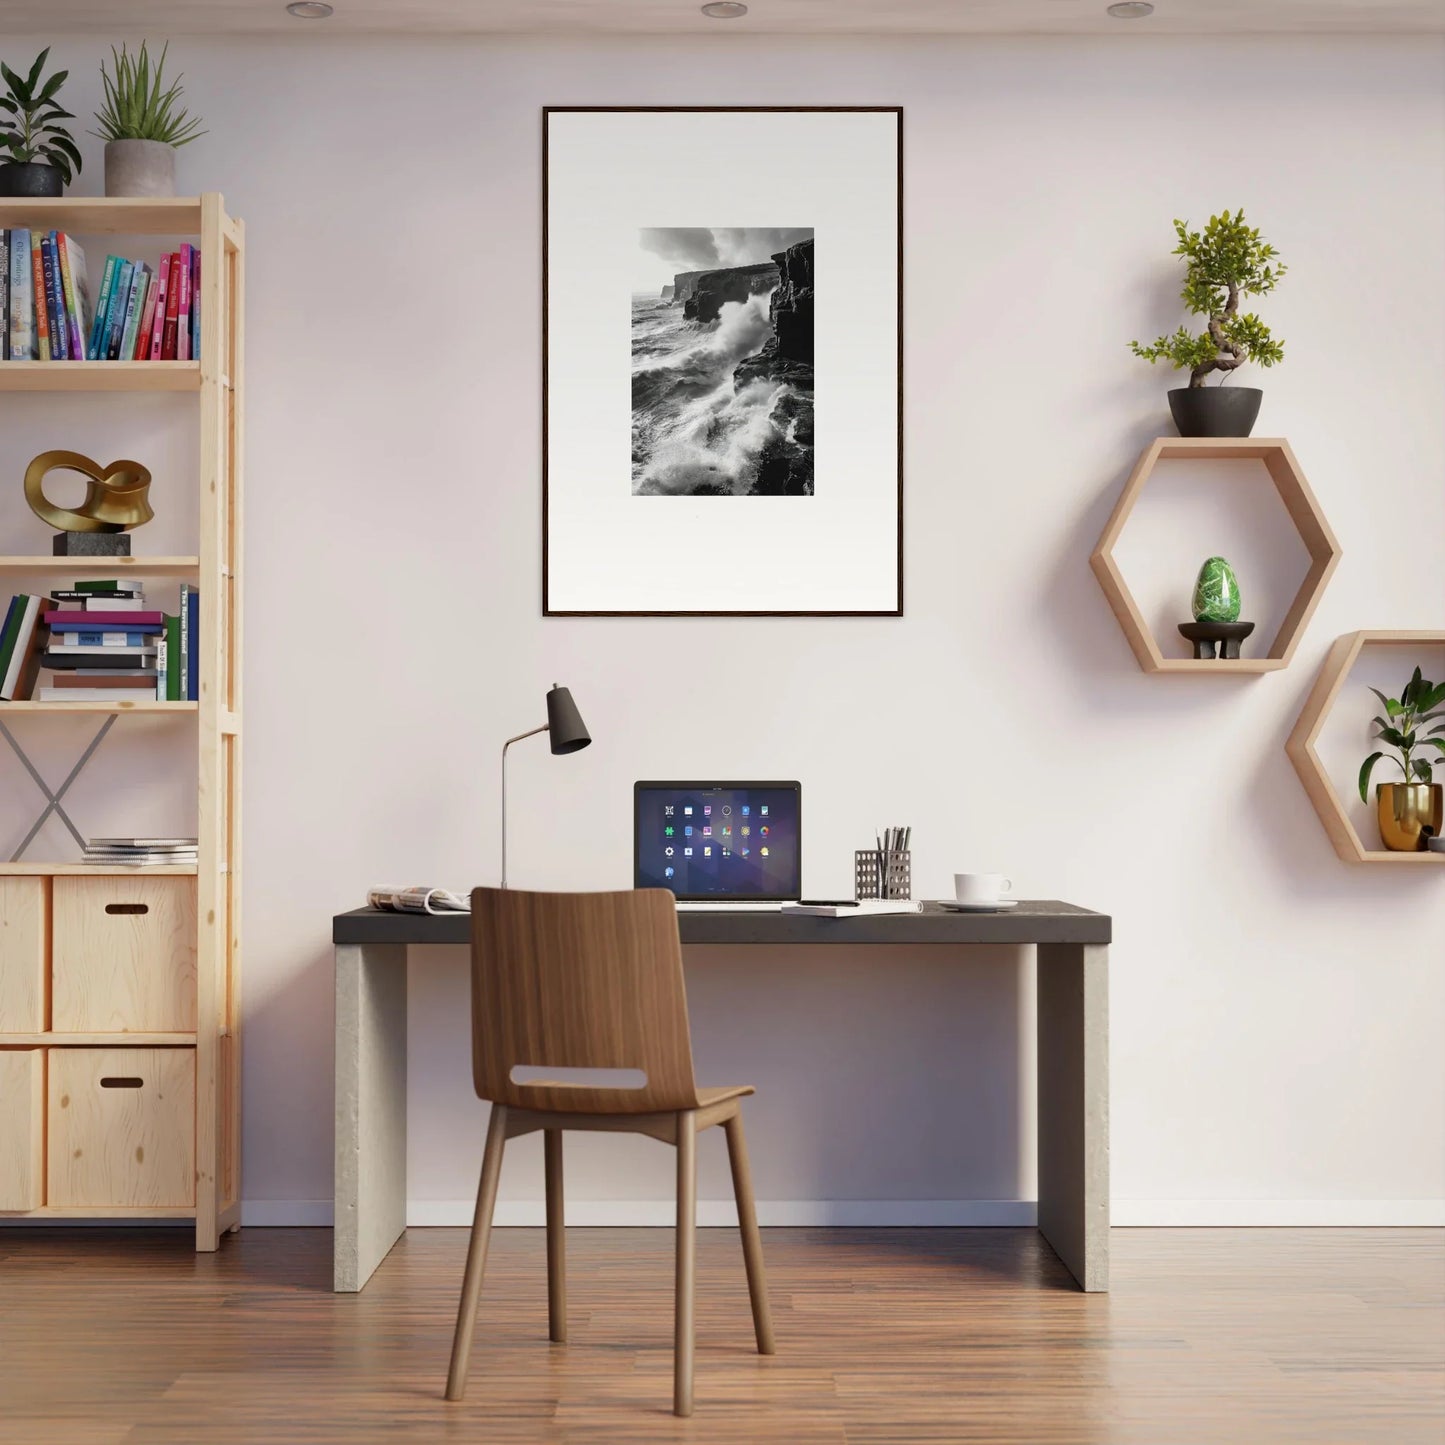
{"points": [[530, 734]]}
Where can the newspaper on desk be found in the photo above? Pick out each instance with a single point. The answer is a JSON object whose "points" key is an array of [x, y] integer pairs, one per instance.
{"points": [[418, 900]]}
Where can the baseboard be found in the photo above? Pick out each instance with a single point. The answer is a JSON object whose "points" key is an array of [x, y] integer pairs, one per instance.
{"points": [[898, 1213], [1277, 1213]]}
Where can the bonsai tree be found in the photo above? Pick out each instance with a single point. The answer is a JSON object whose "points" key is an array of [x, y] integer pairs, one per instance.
{"points": [[28, 115], [136, 108], [1224, 262], [1405, 716]]}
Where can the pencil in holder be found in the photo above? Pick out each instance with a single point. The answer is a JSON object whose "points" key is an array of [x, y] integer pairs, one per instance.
{"points": [[882, 874]]}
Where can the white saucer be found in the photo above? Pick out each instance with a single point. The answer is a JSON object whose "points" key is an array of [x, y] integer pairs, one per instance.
{"points": [[949, 905]]}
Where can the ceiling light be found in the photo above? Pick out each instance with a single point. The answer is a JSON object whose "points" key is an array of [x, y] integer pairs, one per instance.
{"points": [[1131, 9], [725, 10], [309, 9]]}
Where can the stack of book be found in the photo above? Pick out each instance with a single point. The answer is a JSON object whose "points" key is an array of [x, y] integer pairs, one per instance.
{"points": [[140, 313], [102, 644], [140, 852]]}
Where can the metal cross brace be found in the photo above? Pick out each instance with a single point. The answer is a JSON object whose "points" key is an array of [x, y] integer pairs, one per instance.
{"points": [[54, 804]]}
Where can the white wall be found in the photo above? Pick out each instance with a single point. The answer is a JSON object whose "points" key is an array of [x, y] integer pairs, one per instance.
{"points": [[1276, 1014]]}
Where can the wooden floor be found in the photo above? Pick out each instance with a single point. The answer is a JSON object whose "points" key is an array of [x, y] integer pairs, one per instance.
{"points": [[1210, 1336]]}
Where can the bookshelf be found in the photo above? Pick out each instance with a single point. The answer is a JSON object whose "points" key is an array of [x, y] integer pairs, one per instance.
{"points": [[196, 957]]}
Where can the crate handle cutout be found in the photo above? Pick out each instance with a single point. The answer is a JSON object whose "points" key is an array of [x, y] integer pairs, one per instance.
{"points": [[561, 1078], [122, 1081], [127, 908]]}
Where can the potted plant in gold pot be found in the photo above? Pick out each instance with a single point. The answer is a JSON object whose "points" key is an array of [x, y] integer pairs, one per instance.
{"points": [[1409, 812]]}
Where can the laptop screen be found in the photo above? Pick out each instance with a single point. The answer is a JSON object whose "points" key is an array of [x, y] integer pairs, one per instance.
{"points": [[719, 841]]}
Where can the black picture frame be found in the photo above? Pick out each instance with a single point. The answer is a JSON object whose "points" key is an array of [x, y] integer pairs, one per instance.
{"points": [[547, 113]]}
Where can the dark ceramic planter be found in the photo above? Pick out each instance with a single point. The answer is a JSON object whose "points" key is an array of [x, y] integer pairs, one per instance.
{"points": [[30, 178], [1215, 411]]}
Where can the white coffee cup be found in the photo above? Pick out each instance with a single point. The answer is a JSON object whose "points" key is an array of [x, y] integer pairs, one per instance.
{"points": [[980, 887]]}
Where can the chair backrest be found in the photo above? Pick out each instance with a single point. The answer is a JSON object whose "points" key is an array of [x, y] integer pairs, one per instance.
{"points": [[579, 981]]}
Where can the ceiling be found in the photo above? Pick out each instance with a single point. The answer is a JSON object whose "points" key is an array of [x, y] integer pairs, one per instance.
{"points": [[774, 17]]}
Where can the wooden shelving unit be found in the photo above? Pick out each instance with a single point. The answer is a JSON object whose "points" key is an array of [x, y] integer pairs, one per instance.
{"points": [[1300, 745], [205, 896], [1304, 511]]}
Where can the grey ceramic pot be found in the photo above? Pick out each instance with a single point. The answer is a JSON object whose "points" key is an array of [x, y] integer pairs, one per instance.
{"points": [[30, 178], [140, 168], [1215, 411]]}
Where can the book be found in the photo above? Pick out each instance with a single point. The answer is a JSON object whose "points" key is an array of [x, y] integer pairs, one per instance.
{"points": [[95, 350], [183, 306], [4, 295], [158, 322], [25, 655], [68, 621], [71, 594], [66, 659], [190, 642], [38, 298], [152, 845], [163, 663], [173, 660], [133, 307], [54, 304], [195, 303], [99, 639], [102, 584], [173, 297], [142, 346], [115, 317], [9, 629], [866, 909], [22, 304], [77, 292], [89, 602], [93, 678], [99, 694]]}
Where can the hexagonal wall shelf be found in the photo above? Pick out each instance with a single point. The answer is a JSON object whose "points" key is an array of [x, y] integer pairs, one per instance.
{"points": [[1301, 746], [1304, 512]]}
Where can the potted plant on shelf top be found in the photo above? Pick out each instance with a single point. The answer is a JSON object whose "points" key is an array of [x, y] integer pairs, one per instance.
{"points": [[39, 155], [1409, 812], [141, 125], [1224, 263]]}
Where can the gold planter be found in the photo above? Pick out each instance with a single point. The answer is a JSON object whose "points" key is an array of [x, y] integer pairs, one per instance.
{"points": [[1409, 813]]}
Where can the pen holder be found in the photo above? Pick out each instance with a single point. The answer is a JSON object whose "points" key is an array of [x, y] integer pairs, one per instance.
{"points": [[882, 875]]}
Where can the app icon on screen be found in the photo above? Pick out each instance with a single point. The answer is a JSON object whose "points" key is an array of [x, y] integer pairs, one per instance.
{"points": [[726, 832], [668, 851], [746, 830], [745, 810], [763, 810], [763, 851], [727, 853], [727, 808], [668, 872], [707, 852], [669, 830], [667, 810], [706, 830], [743, 851], [707, 810], [764, 830], [687, 852], [687, 830], [687, 811]]}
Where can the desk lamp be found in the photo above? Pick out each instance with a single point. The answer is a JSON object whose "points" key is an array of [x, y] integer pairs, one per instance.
{"points": [[567, 734]]}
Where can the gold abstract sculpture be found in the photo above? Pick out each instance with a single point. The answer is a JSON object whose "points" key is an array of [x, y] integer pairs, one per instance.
{"points": [[115, 496]]}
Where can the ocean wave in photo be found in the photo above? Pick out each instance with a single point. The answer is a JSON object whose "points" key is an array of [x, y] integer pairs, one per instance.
{"points": [[722, 380]]}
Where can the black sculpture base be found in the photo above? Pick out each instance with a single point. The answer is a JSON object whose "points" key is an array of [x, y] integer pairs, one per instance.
{"points": [[91, 544], [1207, 635]]}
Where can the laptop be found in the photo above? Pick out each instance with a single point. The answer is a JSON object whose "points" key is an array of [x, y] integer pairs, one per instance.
{"points": [[719, 845]]}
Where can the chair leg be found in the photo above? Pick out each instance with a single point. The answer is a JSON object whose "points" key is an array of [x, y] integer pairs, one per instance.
{"points": [[556, 1239], [683, 1328], [752, 1240], [477, 1252]]}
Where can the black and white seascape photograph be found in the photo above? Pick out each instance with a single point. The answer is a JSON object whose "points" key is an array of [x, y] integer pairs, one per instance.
{"points": [[722, 362]]}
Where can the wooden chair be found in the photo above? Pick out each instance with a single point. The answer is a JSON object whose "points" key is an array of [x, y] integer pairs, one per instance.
{"points": [[594, 981]]}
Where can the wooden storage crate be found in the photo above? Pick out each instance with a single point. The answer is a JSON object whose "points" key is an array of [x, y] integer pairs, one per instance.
{"points": [[123, 957], [120, 1128], [24, 933], [22, 1128]]}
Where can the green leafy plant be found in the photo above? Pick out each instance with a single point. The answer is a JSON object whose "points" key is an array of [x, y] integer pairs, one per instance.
{"points": [[28, 115], [136, 107], [1223, 263], [1400, 727]]}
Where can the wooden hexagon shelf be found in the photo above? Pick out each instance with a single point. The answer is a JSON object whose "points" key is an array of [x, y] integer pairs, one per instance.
{"points": [[1301, 746], [1304, 513]]}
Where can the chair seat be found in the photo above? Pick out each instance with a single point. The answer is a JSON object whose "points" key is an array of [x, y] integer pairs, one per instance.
{"points": [[707, 1097]]}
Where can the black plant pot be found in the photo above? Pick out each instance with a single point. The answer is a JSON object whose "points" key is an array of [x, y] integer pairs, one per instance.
{"points": [[30, 178], [1215, 411]]}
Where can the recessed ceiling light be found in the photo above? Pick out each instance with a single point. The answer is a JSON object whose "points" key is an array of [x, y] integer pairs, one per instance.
{"points": [[1131, 9], [309, 9], [725, 10]]}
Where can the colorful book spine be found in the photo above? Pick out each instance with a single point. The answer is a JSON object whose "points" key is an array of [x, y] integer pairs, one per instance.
{"points": [[22, 312], [76, 286], [95, 350], [119, 300], [133, 307], [158, 324], [4, 295], [173, 659], [8, 631], [142, 347], [38, 300], [67, 620], [100, 639], [55, 300], [173, 297], [193, 645], [183, 307], [24, 664], [162, 669], [195, 303]]}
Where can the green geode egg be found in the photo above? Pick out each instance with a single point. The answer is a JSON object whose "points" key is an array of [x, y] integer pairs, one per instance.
{"points": [[1216, 593]]}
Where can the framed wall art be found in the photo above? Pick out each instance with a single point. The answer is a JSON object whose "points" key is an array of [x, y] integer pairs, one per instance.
{"points": [[722, 361]]}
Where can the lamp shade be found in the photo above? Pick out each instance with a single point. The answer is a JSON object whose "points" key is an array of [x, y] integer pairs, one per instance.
{"points": [[565, 729]]}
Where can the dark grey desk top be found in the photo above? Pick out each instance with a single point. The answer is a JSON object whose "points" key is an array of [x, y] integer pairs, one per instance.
{"points": [[1037, 921]]}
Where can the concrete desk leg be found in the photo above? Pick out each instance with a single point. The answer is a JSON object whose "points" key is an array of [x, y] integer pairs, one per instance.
{"points": [[1073, 1049], [370, 1108]]}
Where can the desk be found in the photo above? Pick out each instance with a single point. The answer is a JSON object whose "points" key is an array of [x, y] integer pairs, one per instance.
{"points": [[1073, 1056]]}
